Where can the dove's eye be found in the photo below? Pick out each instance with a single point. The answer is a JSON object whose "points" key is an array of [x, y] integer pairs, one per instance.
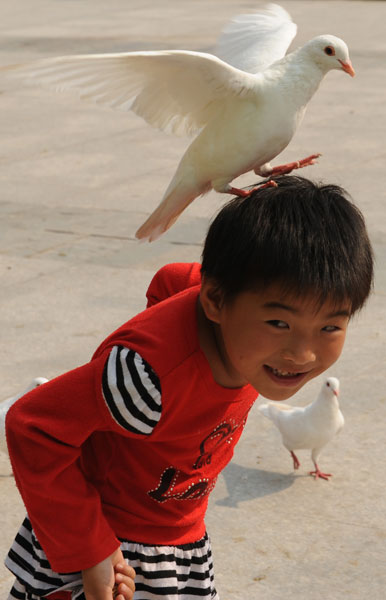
{"points": [[329, 50]]}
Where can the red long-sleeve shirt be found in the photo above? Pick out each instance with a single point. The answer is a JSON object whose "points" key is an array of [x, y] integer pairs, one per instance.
{"points": [[130, 444]]}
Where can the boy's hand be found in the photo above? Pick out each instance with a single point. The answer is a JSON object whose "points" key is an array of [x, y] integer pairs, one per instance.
{"points": [[111, 578]]}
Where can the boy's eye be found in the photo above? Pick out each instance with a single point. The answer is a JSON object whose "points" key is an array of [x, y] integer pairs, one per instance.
{"points": [[331, 328], [278, 324]]}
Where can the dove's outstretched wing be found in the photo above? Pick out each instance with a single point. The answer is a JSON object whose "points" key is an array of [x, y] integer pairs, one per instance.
{"points": [[252, 42], [176, 91]]}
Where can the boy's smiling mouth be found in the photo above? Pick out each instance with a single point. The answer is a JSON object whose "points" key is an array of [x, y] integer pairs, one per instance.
{"points": [[284, 377]]}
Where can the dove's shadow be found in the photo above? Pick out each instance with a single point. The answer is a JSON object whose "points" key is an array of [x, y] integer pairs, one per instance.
{"points": [[245, 483]]}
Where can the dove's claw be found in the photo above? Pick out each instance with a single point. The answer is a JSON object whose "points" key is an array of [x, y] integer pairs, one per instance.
{"points": [[238, 192], [318, 473], [299, 164], [310, 160], [246, 193], [296, 460], [269, 183]]}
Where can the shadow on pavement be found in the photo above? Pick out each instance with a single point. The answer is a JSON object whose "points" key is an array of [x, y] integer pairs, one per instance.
{"points": [[245, 483]]}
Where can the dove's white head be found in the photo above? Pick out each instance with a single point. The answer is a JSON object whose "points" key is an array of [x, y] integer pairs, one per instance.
{"points": [[329, 52], [331, 386]]}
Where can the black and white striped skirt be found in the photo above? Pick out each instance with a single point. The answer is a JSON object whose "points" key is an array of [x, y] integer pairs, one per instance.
{"points": [[183, 572]]}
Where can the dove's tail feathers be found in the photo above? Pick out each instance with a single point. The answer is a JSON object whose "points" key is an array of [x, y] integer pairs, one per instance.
{"points": [[273, 411], [177, 197]]}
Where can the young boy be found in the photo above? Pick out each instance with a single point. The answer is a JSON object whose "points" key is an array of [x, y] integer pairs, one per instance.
{"points": [[115, 460]]}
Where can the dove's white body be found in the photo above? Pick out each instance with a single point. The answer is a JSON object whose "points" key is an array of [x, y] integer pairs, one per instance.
{"points": [[6, 405], [309, 427], [251, 138], [242, 137], [245, 108]]}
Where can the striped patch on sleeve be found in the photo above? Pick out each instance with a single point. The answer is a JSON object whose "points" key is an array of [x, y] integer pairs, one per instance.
{"points": [[132, 391]]}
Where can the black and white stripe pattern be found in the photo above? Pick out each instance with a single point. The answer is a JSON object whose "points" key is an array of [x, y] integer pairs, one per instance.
{"points": [[132, 391], [172, 572], [182, 572], [34, 576]]}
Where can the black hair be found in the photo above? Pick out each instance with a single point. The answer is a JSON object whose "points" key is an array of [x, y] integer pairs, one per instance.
{"points": [[310, 238]]}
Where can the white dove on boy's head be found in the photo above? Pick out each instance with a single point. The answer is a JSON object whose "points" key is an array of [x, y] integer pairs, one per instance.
{"points": [[310, 427], [245, 103]]}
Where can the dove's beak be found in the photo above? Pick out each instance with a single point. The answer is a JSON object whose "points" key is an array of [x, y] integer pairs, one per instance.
{"points": [[336, 393], [347, 67]]}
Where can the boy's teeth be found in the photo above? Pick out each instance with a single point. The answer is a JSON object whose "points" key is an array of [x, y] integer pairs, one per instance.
{"points": [[283, 373]]}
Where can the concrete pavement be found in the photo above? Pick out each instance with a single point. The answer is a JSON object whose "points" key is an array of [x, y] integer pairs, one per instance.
{"points": [[77, 180]]}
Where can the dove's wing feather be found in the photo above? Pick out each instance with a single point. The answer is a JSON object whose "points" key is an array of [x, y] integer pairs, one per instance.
{"points": [[252, 42], [296, 432], [283, 415], [290, 421], [176, 91], [319, 441], [340, 420]]}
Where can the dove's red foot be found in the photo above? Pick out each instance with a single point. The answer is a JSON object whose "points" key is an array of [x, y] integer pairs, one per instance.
{"points": [[299, 164], [269, 183], [246, 193], [296, 460], [238, 192], [318, 473]]}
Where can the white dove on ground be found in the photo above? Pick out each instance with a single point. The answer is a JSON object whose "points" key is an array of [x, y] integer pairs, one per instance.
{"points": [[245, 108], [309, 427], [5, 405]]}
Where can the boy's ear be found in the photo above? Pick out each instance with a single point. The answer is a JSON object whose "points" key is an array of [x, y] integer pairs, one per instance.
{"points": [[212, 299]]}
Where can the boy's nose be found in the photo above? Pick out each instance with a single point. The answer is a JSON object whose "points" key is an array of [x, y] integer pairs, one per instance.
{"points": [[299, 354]]}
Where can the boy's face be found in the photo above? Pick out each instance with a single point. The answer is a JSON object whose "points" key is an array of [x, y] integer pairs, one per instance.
{"points": [[275, 342]]}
